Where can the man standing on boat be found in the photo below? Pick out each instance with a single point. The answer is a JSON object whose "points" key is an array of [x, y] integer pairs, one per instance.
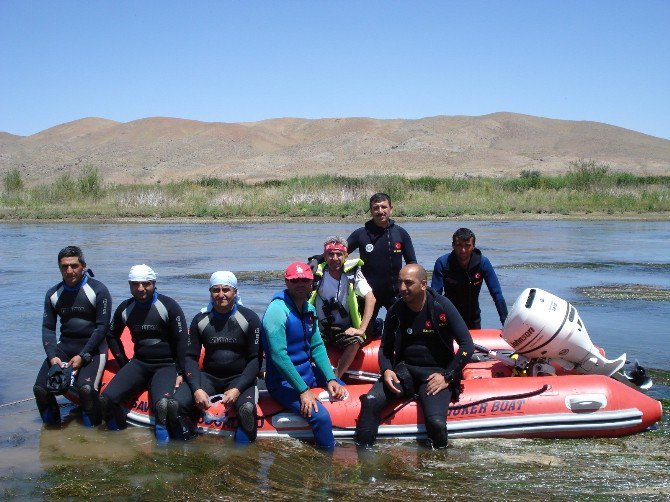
{"points": [[83, 306], [460, 275], [382, 246], [294, 350], [230, 335], [339, 284], [156, 323], [416, 357]]}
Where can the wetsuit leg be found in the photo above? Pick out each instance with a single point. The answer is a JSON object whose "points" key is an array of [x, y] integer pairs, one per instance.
{"points": [[130, 379], [161, 390], [46, 401], [179, 409], [245, 406], [372, 404], [322, 426], [435, 414], [87, 384]]}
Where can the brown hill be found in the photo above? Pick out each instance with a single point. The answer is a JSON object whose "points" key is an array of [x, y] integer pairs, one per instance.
{"points": [[153, 149]]}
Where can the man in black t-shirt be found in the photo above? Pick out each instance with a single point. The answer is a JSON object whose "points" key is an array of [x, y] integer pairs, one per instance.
{"points": [[416, 357]]}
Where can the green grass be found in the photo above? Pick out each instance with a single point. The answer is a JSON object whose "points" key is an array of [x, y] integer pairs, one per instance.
{"points": [[586, 187]]}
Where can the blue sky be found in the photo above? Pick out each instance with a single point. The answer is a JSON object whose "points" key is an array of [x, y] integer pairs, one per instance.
{"points": [[231, 61]]}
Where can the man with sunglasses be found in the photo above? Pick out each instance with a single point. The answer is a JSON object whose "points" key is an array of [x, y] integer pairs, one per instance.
{"points": [[83, 306], [230, 336], [294, 350], [338, 286], [156, 323]]}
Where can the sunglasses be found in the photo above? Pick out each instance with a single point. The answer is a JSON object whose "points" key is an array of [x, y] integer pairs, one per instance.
{"points": [[298, 281]]}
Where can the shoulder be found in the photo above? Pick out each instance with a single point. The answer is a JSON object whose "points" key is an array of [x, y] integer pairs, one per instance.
{"points": [[248, 314], [443, 261], [355, 235], [53, 289], [98, 286]]}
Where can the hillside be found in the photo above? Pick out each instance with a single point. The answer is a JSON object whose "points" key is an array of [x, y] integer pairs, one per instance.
{"points": [[162, 149]]}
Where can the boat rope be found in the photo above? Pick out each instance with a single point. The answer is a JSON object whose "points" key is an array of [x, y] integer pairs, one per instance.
{"points": [[17, 402], [501, 398]]}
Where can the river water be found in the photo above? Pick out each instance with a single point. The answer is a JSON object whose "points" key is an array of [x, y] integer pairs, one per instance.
{"points": [[616, 273]]}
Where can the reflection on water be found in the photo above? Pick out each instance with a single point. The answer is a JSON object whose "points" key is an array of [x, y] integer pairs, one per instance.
{"points": [[614, 273]]}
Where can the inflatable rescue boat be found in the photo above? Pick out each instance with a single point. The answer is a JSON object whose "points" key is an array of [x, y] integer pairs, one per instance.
{"points": [[541, 377]]}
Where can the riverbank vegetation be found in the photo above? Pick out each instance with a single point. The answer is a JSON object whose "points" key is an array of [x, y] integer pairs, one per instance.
{"points": [[587, 187]]}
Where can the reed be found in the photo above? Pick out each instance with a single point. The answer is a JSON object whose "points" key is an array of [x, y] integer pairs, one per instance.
{"points": [[587, 187]]}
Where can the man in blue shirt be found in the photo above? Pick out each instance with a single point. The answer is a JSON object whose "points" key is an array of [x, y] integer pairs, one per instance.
{"points": [[459, 276]]}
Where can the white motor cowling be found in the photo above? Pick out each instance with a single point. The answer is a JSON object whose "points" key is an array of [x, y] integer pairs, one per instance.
{"points": [[542, 325]]}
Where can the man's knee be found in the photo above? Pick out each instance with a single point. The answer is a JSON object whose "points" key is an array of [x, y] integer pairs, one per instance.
{"points": [[436, 428]]}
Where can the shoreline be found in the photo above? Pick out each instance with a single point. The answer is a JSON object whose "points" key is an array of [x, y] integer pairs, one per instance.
{"points": [[598, 216]]}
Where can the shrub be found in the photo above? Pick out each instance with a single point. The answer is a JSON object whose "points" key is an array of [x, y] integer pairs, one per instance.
{"points": [[13, 181], [90, 182]]}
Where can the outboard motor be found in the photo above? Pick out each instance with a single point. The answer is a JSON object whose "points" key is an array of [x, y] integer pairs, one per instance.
{"points": [[543, 326]]}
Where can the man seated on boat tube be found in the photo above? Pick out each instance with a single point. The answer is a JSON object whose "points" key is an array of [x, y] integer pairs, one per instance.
{"points": [[460, 275], [229, 333], [338, 285], [83, 306], [296, 358], [416, 357], [157, 324]]}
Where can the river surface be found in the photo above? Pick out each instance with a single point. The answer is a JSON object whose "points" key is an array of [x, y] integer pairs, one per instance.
{"points": [[616, 273]]}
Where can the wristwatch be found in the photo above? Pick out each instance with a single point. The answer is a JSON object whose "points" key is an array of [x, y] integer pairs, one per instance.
{"points": [[86, 357]]}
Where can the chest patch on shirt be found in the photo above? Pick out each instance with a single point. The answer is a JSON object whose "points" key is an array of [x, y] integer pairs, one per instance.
{"points": [[369, 248]]}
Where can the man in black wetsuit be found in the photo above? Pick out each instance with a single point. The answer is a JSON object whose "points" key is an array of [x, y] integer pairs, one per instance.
{"points": [[460, 275], [156, 323], [230, 334], [84, 308], [416, 357], [382, 246]]}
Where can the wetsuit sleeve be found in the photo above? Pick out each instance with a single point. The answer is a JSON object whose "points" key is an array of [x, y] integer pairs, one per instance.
{"points": [[274, 324], [495, 290], [407, 247], [114, 336], [189, 352], [460, 333], [320, 356], [437, 281], [49, 338], [178, 329], [103, 314], [250, 372], [352, 242], [385, 355]]}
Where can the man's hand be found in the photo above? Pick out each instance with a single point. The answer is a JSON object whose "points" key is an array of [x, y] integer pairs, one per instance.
{"points": [[55, 360], [354, 332], [336, 390], [308, 404], [178, 381], [436, 383], [201, 399], [230, 396], [392, 382], [75, 362]]}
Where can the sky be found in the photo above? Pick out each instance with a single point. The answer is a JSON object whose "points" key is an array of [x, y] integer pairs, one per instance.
{"points": [[242, 61]]}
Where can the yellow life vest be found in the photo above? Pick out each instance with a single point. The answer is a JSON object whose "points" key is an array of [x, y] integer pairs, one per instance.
{"points": [[349, 269]]}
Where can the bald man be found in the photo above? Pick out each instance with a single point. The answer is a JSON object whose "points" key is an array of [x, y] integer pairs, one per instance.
{"points": [[417, 357]]}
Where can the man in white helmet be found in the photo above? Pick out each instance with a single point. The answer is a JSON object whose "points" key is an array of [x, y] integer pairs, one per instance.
{"points": [[156, 323]]}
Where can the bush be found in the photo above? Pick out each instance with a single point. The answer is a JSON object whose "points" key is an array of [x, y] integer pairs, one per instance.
{"points": [[90, 182], [13, 181]]}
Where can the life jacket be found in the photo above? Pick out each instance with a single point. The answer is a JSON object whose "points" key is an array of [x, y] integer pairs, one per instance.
{"points": [[349, 269]]}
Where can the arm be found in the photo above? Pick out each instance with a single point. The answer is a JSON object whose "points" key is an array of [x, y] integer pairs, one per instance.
{"points": [[274, 324], [103, 314], [460, 333], [179, 333], [494, 288], [369, 308], [114, 336], [319, 354], [387, 347], [408, 248], [49, 339], [352, 242], [252, 368], [437, 282], [189, 353]]}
